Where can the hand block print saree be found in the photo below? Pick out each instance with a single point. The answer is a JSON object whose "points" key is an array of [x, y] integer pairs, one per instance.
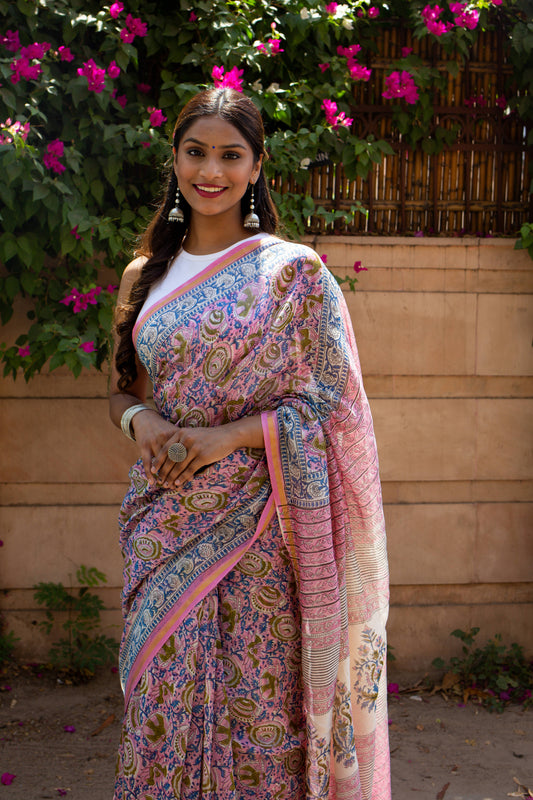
{"points": [[256, 596]]}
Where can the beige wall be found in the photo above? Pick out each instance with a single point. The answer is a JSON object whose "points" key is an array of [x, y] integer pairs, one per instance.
{"points": [[444, 329]]}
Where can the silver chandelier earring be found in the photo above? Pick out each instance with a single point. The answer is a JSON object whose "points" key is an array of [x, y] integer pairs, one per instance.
{"points": [[251, 220], [176, 214]]}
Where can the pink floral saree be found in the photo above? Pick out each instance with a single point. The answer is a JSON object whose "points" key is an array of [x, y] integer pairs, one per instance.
{"points": [[256, 596]]}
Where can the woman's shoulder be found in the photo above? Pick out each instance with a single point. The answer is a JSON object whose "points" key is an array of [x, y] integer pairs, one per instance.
{"points": [[296, 251]]}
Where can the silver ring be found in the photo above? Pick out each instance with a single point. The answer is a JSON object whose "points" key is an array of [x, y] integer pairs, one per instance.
{"points": [[177, 452]]}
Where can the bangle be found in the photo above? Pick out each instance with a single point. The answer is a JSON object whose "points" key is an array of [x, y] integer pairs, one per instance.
{"points": [[126, 418]]}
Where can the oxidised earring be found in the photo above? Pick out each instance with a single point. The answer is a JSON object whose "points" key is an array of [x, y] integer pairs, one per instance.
{"points": [[176, 214], [251, 220]]}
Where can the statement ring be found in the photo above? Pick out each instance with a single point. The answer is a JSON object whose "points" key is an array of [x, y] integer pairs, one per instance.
{"points": [[177, 452]]}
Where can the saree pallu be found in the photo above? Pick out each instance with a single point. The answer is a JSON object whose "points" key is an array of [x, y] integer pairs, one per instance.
{"points": [[256, 595]]}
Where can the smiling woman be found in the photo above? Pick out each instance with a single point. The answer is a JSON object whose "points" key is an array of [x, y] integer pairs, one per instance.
{"points": [[256, 590]]}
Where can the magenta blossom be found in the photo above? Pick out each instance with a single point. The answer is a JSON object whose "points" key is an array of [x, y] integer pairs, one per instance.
{"points": [[54, 152], [192, 17], [156, 117], [71, 728], [261, 46], [406, 51], [232, 79], [323, 67], [134, 27], [501, 102], [73, 232], [115, 9], [275, 46], [35, 50], [87, 347], [433, 24], [146, 144], [24, 352], [324, 258], [393, 688], [358, 268], [12, 128], [144, 88], [64, 53], [334, 119], [358, 72], [95, 76], [467, 19], [373, 11], [111, 288], [331, 8], [7, 779], [126, 36], [122, 100], [400, 85], [349, 52], [113, 70], [23, 68], [11, 41]]}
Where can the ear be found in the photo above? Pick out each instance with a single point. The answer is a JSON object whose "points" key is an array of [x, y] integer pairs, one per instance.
{"points": [[256, 170]]}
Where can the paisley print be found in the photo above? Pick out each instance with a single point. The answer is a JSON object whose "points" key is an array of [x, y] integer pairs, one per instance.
{"points": [[255, 596]]}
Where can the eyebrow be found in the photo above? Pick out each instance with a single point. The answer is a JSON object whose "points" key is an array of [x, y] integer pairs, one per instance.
{"points": [[223, 147]]}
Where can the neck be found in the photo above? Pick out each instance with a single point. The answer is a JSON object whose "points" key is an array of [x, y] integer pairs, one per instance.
{"points": [[205, 238]]}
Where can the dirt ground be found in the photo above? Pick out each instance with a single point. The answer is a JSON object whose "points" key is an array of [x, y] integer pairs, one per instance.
{"points": [[60, 741]]}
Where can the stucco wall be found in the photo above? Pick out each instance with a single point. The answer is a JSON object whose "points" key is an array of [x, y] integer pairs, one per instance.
{"points": [[444, 329]]}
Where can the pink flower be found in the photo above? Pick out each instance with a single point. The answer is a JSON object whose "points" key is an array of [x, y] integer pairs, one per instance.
{"points": [[393, 688], [24, 352], [136, 26], [122, 100], [113, 70], [324, 258], [358, 268], [275, 46], [74, 232], [349, 52], [358, 72], [400, 85], [433, 24], [64, 53], [323, 67], [231, 80], [54, 151], [87, 347], [468, 19], [373, 11], [22, 68], [95, 76], [261, 46], [330, 109], [126, 36], [11, 41], [496, 2], [115, 9], [111, 288], [144, 88], [35, 50], [192, 17], [71, 728], [62, 792], [12, 128], [7, 779], [331, 8], [501, 102], [406, 51], [156, 117], [146, 144]]}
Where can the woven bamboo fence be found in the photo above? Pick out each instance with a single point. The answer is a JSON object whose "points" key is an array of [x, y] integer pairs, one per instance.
{"points": [[476, 186]]}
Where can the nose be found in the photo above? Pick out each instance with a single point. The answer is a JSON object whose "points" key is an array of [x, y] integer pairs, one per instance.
{"points": [[211, 165]]}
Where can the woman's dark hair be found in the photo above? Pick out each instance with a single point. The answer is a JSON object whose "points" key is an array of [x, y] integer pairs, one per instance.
{"points": [[162, 239]]}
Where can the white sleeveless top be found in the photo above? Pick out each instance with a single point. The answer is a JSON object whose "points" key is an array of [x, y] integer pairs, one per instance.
{"points": [[183, 268]]}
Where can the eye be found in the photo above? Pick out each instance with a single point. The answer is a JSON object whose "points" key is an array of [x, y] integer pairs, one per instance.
{"points": [[193, 151], [232, 155]]}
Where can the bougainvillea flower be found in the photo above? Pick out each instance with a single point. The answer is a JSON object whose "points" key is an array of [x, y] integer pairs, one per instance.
{"points": [[144, 88], [261, 46], [275, 46], [331, 8], [122, 100], [192, 17], [11, 41], [113, 70], [23, 68], [323, 67], [73, 232], [35, 50], [349, 52], [373, 12], [95, 76], [324, 258], [330, 109], [468, 19], [65, 53], [24, 352], [71, 728], [156, 117], [358, 268], [115, 9], [12, 128], [127, 36], [136, 26], [406, 51], [54, 151], [7, 779], [231, 79], [87, 347], [358, 72], [400, 85]]}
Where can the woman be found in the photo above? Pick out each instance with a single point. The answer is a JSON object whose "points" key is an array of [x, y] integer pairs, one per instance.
{"points": [[255, 599]]}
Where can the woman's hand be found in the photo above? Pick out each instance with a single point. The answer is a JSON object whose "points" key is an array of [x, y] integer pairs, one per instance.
{"points": [[204, 446]]}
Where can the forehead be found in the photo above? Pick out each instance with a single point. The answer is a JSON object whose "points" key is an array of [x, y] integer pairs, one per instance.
{"points": [[215, 132]]}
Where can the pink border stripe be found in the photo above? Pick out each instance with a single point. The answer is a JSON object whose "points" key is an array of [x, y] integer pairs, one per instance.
{"points": [[173, 619]]}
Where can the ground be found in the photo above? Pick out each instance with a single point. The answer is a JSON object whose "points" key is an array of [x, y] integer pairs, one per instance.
{"points": [[60, 740]]}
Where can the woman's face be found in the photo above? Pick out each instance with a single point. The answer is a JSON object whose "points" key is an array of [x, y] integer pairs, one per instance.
{"points": [[214, 165]]}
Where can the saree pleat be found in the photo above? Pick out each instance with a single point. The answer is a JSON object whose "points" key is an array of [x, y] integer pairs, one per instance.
{"points": [[256, 596]]}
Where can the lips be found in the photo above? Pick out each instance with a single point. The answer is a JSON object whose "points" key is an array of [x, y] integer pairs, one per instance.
{"points": [[205, 190]]}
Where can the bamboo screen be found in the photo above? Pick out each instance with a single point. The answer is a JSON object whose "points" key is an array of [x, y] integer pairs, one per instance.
{"points": [[478, 185]]}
